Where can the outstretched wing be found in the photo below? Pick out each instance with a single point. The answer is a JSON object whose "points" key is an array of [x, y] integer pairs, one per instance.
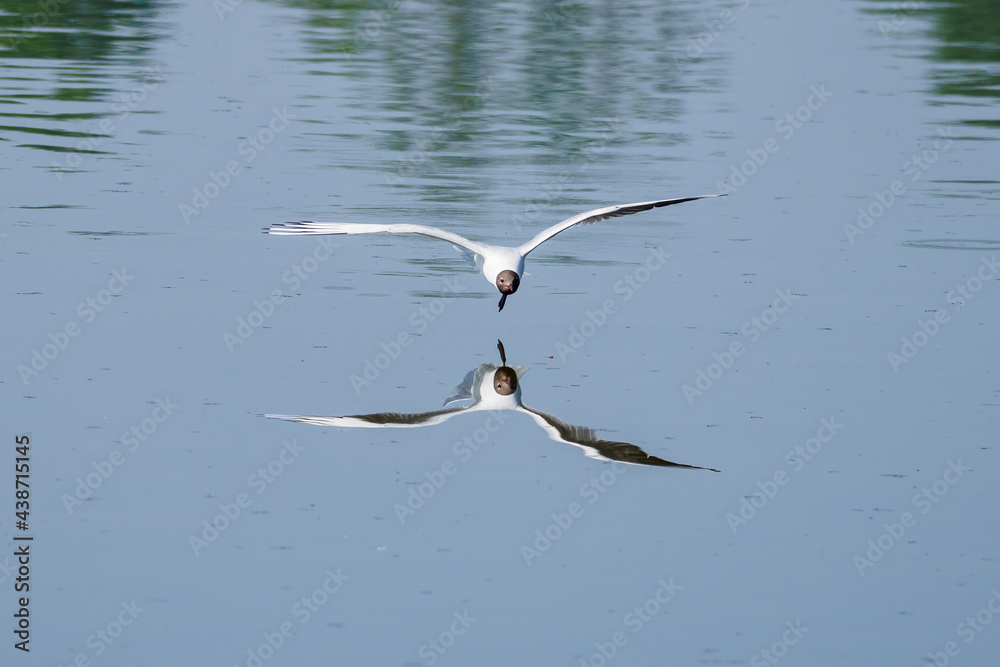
{"points": [[595, 448], [308, 227], [469, 387], [599, 214], [377, 420]]}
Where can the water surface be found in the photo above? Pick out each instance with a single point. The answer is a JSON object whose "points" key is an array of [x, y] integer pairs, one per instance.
{"points": [[824, 336]]}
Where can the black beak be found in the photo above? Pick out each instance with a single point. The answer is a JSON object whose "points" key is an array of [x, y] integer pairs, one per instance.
{"points": [[503, 298]]}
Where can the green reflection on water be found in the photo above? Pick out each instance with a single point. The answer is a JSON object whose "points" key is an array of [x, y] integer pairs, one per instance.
{"points": [[966, 47], [80, 30], [969, 48], [59, 57], [51, 131], [449, 89], [63, 149]]}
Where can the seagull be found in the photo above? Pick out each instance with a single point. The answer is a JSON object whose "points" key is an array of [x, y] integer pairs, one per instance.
{"points": [[496, 389], [502, 266]]}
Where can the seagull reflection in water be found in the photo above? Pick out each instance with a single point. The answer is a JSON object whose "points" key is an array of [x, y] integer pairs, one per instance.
{"points": [[498, 388]]}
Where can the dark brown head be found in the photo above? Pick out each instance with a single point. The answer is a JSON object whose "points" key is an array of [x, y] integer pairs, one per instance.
{"points": [[505, 381], [507, 283], [505, 377]]}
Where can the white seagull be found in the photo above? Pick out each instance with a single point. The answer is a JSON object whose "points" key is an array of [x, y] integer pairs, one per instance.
{"points": [[496, 389], [502, 266]]}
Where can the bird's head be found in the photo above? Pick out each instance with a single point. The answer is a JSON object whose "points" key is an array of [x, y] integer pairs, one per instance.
{"points": [[507, 283], [505, 377], [505, 381]]}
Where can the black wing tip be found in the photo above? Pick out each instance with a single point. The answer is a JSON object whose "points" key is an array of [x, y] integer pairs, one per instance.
{"points": [[668, 202], [626, 209], [652, 460], [293, 225]]}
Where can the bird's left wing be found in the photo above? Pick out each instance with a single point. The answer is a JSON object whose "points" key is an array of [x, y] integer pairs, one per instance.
{"points": [[599, 214], [595, 448]]}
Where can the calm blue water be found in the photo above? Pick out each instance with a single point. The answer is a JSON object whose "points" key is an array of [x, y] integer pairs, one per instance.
{"points": [[824, 336]]}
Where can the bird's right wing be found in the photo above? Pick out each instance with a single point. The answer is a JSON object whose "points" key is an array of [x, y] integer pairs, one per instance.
{"points": [[598, 214], [595, 448], [377, 420], [308, 227]]}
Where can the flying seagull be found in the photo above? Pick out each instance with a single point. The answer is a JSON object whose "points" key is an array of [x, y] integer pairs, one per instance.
{"points": [[496, 389], [500, 265]]}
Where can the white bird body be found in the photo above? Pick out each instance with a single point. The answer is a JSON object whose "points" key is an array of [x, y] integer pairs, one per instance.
{"points": [[498, 259], [502, 266]]}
